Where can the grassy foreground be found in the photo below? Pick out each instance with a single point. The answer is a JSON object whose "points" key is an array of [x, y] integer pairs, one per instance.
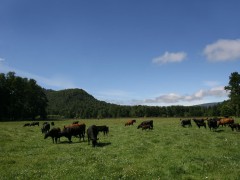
{"points": [[169, 151]]}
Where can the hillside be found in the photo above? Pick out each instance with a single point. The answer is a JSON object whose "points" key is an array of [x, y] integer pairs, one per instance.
{"points": [[72, 103], [77, 103]]}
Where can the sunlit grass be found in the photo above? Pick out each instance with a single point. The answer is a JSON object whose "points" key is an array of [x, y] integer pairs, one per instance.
{"points": [[169, 151]]}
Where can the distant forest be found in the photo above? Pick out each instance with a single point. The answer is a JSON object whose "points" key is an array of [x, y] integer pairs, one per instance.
{"points": [[23, 99]]}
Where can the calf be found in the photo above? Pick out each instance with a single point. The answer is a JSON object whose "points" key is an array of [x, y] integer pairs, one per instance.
{"points": [[92, 133], [235, 126], [54, 133]]}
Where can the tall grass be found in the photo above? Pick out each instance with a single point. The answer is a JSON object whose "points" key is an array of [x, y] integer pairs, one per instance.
{"points": [[169, 151]]}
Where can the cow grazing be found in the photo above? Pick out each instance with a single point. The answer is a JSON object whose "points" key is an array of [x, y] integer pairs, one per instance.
{"points": [[92, 133], [186, 122], [34, 124], [104, 129], [54, 133], [149, 122], [212, 124], [146, 126], [130, 122], [27, 124], [200, 122], [74, 130], [235, 126], [46, 127], [225, 121]]}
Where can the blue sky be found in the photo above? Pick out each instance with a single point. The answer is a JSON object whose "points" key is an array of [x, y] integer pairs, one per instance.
{"points": [[128, 52]]}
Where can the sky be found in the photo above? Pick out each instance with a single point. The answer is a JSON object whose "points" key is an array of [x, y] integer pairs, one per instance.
{"points": [[127, 52]]}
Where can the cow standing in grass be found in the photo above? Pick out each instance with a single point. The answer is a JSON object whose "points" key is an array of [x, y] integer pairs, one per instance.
{"points": [[149, 122], [104, 129], [200, 122], [74, 130], [186, 122], [92, 133], [54, 133], [130, 122], [212, 124], [46, 127]]}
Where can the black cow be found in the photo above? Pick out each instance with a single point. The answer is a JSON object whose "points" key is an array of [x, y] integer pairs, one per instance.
{"points": [[186, 122], [27, 124], [200, 122], [149, 122], [92, 133], [34, 124], [54, 133], [212, 124], [104, 129], [46, 127], [74, 130], [146, 126]]}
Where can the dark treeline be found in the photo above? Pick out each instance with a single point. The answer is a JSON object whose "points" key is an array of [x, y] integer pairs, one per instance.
{"points": [[21, 98], [76, 103]]}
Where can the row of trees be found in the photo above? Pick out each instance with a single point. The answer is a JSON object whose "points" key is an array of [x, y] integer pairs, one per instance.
{"points": [[21, 98], [76, 103]]}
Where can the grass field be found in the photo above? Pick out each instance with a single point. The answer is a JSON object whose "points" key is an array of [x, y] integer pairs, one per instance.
{"points": [[169, 151]]}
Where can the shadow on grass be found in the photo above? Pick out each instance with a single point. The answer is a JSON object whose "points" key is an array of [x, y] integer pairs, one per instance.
{"points": [[100, 144], [219, 130], [72, 142]]}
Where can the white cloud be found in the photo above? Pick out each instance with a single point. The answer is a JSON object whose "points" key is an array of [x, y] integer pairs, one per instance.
{"points": [[170, 58], [199, 95], [223, 50]]}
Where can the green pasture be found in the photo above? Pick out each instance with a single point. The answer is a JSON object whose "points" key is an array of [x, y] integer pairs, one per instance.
{"points": [[169, 151]]}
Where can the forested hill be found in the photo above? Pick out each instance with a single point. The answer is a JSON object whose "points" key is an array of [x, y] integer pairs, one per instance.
{"points": [[77, 103], [73, 103]]}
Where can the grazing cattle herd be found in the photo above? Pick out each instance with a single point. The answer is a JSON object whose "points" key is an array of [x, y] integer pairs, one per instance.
{"points": [[78, 130], [213, 123]]}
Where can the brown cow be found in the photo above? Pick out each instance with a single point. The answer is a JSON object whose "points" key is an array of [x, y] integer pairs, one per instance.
{"points": [[130, 122], [74, 130], [225, 121]]}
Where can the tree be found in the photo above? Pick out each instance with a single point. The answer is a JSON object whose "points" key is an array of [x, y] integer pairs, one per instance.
{"points": [[234, 91], [21, 98]]}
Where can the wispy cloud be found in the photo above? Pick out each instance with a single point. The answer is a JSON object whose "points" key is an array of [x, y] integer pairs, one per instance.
{"points": [[56, 81], [223, 50], [199, 95], [168, 57], [2, 59]]}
